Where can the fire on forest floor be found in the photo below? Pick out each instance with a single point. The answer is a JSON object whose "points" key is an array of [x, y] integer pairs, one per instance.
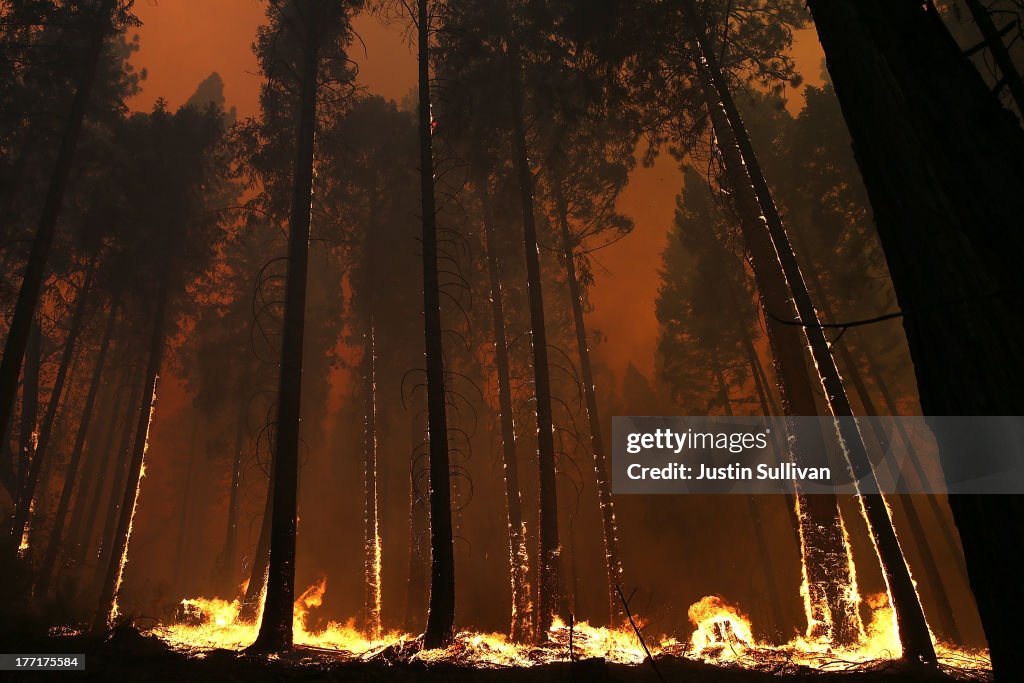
{"points": [[722, 635]]}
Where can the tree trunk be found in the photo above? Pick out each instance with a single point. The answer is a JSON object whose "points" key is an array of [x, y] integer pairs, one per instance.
{"points": [[941, 160], [121, 460], [252, 601], [106, 612], [1000, 53], [952, 543], [833, 612], [53, 545], [416, 588], [548, 555], [187, 503], [275, 632], [371, 522], [935, 583], [518, 554], [763, 552], [441, 610], [23, 509], [224, 571], [35, 269], [28, 436], [913, 629], [98, 456], [604, 490]]}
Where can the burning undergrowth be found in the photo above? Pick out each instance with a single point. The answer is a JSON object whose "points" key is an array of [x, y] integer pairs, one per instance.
{"points": [[723, 636]]}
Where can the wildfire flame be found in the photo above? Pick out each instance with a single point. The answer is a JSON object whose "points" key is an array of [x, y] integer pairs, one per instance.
{"points": [[722, 635]]}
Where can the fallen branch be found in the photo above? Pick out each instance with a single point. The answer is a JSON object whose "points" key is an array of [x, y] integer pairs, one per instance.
{"points": [[639, 636]]}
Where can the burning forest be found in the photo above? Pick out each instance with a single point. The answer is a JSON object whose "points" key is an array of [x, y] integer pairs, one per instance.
{"points": [[317, 314]]}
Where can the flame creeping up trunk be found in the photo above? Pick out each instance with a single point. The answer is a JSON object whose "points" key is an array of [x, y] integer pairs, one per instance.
{"points": [[106, 610], [441, 607], [371, 523], [914, 633], [830, 599], [518, 555], [121, 458], [941, 161]]}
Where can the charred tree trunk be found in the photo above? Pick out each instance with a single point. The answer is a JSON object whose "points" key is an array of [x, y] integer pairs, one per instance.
{"points": [[548, 556], [935, 583], [99, 456], [952, 543], [122, 458], [518, 555], [275, 632], [826, 564], [1000, 53], [23, 508], [32, 279], [441, 609], [106, 611], [913, 629], [27, 436], [942, 163], [191, 455], [252, 601], [371, 522], [604, 489], [224, 571], [763, 552], [53, 545], [416, 588]]}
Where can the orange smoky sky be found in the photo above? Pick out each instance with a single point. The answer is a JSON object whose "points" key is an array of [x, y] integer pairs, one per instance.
{"points": [[183, 41]]}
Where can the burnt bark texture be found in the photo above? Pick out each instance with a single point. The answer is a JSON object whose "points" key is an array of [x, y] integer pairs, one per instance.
{"points": [[613, 565], [275, 631], [518, 555], [106, 610], [441, 605], [943, 163]]}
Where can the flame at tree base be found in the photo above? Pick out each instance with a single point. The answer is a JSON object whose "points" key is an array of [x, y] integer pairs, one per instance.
{"points": [[723, 635]]}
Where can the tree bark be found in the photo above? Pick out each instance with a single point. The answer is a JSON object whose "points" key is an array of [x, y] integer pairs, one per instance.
{"points": [[99, 456], [53, 545], [122, 458], [106, 611], [441, 608], [252, 601], [833, 613], [763, 552], [548, 555], [942, 163], [913, 629], [518, 555], [613, 566], [27, 436], [275, 631], [371, 522], [224, 571]]}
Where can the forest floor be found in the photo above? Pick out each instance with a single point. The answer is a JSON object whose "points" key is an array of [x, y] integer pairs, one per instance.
{"points": [[130, 655]]}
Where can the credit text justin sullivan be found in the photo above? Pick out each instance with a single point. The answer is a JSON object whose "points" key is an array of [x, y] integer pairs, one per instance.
{"points": [[679, 471]]}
